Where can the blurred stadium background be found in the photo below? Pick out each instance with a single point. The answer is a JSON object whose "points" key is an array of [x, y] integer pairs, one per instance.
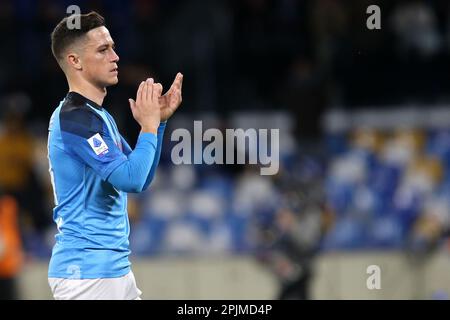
{"points": [[364, 119]]}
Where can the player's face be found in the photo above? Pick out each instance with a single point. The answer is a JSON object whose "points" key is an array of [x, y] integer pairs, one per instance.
{"points": [[99, 58]]}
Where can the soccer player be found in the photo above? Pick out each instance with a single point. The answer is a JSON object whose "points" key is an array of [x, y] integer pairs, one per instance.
{"points": [[92, 167]]}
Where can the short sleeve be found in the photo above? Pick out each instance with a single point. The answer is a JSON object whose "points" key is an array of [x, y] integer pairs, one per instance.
{"points": [[86, 136]]}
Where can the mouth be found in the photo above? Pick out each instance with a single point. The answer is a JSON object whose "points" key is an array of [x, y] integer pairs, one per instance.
{"points": [[115, 70]]}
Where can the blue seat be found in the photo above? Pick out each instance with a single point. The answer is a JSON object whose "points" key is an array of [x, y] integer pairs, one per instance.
{"points": [[385, 232], [239, 231], [347, 234], [146, 237], [339, 195]]}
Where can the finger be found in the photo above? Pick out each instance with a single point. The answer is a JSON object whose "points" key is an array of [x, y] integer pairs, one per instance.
{"points": [[176, 84], [160, 87], [150, 89], [144, 91], [140, 92], [180, 79], [175, 100], [146, 97], [132, 104], [157, 89]]}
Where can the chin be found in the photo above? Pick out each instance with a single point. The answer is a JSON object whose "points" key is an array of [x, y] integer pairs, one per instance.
{"points": [[112, 82]]}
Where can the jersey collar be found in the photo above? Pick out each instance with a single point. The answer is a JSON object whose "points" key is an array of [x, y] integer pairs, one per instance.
{"points": [[75, 96]]}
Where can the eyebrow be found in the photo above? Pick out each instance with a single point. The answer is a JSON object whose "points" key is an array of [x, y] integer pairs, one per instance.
{"points": [[106, 45]]}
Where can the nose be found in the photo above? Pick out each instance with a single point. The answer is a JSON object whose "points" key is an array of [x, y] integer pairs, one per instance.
{"points": [[115, 57]]}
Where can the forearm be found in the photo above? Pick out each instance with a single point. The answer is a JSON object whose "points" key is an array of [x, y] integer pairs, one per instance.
{"points": [[130, 176], [155, 162]]}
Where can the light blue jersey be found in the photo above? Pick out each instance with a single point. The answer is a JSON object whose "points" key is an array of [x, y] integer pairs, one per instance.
{"points": [[92, 168]]}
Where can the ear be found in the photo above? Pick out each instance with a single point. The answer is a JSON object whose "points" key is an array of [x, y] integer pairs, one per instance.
{"points": [[73, 61]]}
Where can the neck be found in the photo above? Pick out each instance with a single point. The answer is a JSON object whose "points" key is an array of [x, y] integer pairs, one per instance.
{"points": [[88, 90]]}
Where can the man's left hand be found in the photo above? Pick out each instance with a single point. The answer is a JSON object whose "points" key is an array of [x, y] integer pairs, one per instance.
{"points": [[171, 100]]}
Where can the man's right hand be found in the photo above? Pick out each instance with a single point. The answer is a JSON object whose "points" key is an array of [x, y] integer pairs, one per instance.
{"points": [[146, 108]]}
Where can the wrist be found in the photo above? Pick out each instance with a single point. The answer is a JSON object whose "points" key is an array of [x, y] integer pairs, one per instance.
{"points": [[149, 129]]}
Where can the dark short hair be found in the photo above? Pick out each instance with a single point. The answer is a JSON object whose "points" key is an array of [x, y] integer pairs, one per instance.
{"points": [[63, 36]]}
